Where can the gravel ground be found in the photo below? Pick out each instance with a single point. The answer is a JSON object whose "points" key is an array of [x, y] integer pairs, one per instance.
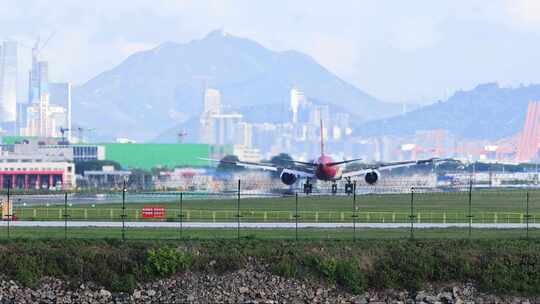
{"points": [[250, 285]]}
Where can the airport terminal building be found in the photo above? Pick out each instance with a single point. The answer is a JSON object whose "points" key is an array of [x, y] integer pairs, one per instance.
{"points": [[32, 166]]}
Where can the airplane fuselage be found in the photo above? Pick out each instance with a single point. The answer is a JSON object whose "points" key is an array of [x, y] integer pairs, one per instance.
{"points": [[324, 171]]}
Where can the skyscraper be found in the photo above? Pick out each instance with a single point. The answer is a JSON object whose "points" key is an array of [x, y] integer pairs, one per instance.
{"points": [[297, 100], [44, 119], [8, 85], [60, 95], [212, 106], [212, 101]]}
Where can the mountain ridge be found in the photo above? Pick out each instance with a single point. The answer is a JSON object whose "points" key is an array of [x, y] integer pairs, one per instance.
{"points": [[154, 90], [487, 111]]}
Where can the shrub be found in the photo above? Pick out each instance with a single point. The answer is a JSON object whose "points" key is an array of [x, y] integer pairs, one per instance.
{"points": [[124, 283], [349, 276], [26, 277], [167, 261], [327, 267], [286, 267]]}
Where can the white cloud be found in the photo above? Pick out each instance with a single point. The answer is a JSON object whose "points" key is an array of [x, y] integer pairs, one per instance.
{"points": [[383, 46], [524, 13], [412, 34]]}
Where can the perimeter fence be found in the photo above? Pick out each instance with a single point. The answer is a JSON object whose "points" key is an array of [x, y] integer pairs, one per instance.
{"points": [[463, 212]]}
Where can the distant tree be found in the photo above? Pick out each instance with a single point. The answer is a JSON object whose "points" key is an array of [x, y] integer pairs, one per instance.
{"points": [[95, 165], [282, 160], [227, 163]]}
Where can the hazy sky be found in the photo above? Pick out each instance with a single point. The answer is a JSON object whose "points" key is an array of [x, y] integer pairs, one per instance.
{"points": [[395, 50]]}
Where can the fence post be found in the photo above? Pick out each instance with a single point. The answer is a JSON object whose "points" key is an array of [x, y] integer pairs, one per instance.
{"points": [[355, 215], [9, 209], [124, 211], [412, 216], [527, 216], [470, 216], [65, 215], [296, 216], [181, 215], [238, 213]]}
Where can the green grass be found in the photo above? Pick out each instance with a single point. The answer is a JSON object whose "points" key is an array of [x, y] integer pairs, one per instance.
{"points": [[494, 266], [263, 234], [506, 206]]}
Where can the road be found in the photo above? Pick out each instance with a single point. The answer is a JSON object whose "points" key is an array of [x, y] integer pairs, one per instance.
{"points": [[97, 224]]}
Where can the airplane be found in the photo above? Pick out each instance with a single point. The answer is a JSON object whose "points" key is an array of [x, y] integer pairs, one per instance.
{"points": [[324, 168]]}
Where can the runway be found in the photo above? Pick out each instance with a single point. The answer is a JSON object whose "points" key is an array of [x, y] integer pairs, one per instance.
{"points": [[254, 225]]}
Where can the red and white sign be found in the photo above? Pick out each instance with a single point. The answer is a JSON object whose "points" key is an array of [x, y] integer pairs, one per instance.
{"points": [[153, 212]]}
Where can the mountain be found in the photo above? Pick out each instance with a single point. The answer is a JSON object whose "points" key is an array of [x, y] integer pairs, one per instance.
{"points": [[153, 91], [485, 112]]}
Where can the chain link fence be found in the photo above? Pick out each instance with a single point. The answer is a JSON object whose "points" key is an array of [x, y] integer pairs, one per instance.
{"points": [[416, 212]]}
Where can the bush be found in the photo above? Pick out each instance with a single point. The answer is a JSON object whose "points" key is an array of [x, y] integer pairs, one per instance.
{"points": [[167, 261], [349, 276], [124, 283], [26, 277], [286, 267]]}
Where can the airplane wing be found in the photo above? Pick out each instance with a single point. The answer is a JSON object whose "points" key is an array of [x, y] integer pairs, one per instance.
{"points": [[248, 165], [266, 167], [311, 164], [390, 166], [344, 162]]}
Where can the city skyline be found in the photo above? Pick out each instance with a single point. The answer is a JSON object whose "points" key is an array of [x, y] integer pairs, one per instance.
{"points": [[398, 52]]}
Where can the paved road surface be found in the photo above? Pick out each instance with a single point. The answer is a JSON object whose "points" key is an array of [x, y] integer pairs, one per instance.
{"points": [[255, 225]]}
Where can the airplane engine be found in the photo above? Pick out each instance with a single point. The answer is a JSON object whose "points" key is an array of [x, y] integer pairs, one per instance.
{"points": [[288, 178], [372, 177]]}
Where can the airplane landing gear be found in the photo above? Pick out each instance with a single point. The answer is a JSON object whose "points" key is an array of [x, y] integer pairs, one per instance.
{"points": [[349, 187], [308, 187], [334, 188]]}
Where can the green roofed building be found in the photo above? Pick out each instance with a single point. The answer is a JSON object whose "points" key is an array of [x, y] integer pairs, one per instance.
{"points": [[148, 156]]}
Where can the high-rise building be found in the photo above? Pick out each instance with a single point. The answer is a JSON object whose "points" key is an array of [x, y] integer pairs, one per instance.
{"points": [[60, 95], [212, 106], [38, 79], [244, 134], [8, 85], [225, 128], [44, 119], [319, 112], [212, 101], [297, 101]]}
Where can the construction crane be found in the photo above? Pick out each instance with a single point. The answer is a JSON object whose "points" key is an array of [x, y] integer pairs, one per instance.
{"points": [[181, 135], [37, 48], [63, 131]]}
